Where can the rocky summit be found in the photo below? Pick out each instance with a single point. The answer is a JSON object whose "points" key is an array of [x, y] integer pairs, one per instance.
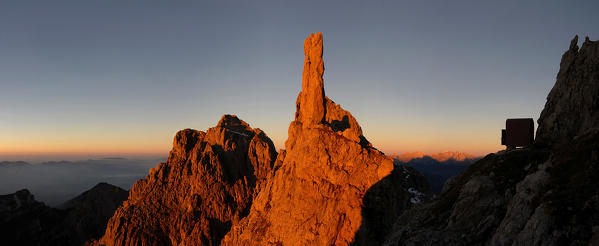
{"points": [[25, 221], [572, 107], [206, 185], [325, 190], [541, 195], [331, 186], [229, 186]]}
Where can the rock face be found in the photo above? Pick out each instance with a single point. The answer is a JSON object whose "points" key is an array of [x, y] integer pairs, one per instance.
{"points": [[90, 211], [206, 185], [542, 195], [573, 104], [331, 183], [24, 221]]}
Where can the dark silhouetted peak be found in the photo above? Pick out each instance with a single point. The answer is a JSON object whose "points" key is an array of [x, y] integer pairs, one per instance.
{"points": [[101, 195], [14, 164], [574, 44], [10, 204], [25, 221], [539, 195], [572, 107], [106, 186]]}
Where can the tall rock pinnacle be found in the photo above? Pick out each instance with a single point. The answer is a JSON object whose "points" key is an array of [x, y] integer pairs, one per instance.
{"points": [[311, 100], [318, 194], [313, 108], [329, 186]]}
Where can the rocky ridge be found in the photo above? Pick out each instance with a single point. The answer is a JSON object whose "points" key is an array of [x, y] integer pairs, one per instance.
{"points": [[333, 187], [206, 185], [329, 186], [542, 195], [572, 107], [25, 221]]}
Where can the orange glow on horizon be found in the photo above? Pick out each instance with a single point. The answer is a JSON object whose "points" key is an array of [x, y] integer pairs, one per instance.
{"points": [[162, 147], [385, 135]]}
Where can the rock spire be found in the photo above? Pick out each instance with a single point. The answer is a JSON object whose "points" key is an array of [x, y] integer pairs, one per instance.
{"points": [[318, 195], [311, 101]]}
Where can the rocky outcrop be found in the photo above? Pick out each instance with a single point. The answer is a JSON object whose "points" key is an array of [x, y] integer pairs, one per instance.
{"points": [[25, 221], [332, 183], [470, 207], [572, 107], [541, 195], [534, 196], [89, 212], [206, 185]]}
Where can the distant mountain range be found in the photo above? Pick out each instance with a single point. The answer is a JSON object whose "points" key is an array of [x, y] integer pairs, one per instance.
{"points": [[14, 164], [53, 182], [441, 156], [544, 194], [330, 186], [436, 167]]}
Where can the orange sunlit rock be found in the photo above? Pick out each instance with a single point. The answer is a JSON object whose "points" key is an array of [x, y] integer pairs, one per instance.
{"points": [[206, 185], [315, 197], [329, 186]]}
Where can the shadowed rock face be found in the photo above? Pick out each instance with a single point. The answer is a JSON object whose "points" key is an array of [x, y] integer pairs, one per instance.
{"points": [[317, 195], [89, 212], [25, 221], [542, 195], [207, 184], [572, 107]]}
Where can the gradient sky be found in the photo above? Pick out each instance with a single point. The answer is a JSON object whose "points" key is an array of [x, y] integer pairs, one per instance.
{"points": [[121, 77]]}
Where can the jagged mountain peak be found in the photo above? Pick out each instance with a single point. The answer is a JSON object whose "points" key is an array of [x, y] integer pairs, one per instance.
{"points": [[206, 185], [545, 194], [572, 103], [332, 187]]}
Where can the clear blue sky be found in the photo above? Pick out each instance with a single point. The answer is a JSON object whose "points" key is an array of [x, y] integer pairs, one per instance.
{"points": [[123, 76]]}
